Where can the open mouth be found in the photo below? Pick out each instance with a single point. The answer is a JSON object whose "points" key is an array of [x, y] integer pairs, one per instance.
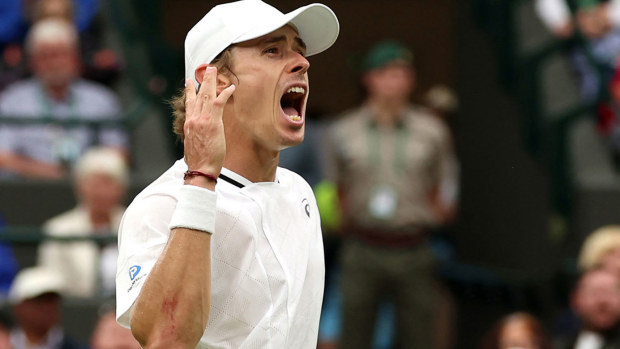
{"points": [[292, 102]]}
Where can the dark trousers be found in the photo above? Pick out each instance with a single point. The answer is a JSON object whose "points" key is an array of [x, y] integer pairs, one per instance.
{"points": [[405, 276]]}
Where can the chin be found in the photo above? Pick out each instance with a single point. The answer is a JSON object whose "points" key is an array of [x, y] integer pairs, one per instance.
{"points": [[287, 142]]}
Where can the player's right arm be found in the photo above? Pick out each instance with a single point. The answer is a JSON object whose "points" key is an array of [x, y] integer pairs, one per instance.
{"points": [[173, 306]]}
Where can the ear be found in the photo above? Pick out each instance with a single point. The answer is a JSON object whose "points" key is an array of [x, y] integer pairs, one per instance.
{"points": [[199, 73], [223, 80]]}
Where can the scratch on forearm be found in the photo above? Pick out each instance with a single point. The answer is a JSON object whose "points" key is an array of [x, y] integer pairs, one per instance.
{"points": [[168, 308]]}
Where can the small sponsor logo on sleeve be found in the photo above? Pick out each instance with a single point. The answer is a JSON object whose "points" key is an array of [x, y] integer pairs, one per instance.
{"points": [[133, 271], [135, 278]]}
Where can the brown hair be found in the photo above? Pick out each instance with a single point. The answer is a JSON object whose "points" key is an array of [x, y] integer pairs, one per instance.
{"points": [[223, 63]]}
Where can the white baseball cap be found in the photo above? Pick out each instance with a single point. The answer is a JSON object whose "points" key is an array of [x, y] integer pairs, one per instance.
{"points": [[245, 20], [32, 282]]}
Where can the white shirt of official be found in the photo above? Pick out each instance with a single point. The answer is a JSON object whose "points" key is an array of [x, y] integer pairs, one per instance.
{"points": [[266, 258]]}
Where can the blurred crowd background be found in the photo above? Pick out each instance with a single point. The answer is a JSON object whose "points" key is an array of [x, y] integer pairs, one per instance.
{"points": [[521, 103]]}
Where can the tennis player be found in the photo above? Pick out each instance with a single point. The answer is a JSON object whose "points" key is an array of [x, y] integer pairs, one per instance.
{"points": [[224, 250]]}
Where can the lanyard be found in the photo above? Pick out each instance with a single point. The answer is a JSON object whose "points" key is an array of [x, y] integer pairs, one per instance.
{"points": [[48, 109], [66, 147], [400, 136]]}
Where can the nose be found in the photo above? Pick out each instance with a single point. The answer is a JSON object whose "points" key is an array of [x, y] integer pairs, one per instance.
{"points": [[300, 65]]}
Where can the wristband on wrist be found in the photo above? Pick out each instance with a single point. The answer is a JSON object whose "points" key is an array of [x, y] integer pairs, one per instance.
{"points": [[189, 174], [195, 209]]}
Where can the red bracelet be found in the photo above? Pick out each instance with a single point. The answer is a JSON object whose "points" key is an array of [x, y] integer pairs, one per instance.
{"points": [[189, 173]]}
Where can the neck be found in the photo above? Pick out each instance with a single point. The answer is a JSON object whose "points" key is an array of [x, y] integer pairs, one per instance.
{"points": [[257, 164], [58, 93], [386, 113], [35, 337], [99, 219]]}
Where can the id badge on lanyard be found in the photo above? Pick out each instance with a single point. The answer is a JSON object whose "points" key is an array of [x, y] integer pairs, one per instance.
{"points": [[383, 198], [383, 202]]}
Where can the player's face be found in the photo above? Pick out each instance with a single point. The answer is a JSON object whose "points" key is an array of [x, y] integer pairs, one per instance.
{"points": [[271, 91]]}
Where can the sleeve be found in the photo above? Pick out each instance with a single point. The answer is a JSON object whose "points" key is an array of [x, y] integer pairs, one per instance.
{"points": [[553, 13], [114, 137], [9, 136], [50, 255], [142, 237]]}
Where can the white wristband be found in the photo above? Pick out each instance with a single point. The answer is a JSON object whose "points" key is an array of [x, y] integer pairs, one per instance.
{"points": [[195, 209]]}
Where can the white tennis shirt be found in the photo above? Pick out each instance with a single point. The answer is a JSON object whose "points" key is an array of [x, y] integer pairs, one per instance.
{"points": [[266, 258]]}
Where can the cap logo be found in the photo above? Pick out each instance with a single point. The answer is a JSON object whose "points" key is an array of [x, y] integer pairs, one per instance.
{"points": [[133, 271]]}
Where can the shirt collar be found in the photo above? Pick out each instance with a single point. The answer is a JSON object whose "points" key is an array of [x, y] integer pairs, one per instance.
{"points": [[235, 177]]}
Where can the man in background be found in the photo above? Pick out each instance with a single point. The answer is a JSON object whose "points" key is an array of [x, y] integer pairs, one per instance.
{"points": [[389, 160], [89, 268], [55, 93], [35, 298], [596, 302]]}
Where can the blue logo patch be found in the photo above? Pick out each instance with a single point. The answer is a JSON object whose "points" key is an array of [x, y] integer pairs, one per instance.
{"points": [[133, 271]]}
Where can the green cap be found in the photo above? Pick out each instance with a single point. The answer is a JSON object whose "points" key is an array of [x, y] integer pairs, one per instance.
{"points": [[386, 52]]}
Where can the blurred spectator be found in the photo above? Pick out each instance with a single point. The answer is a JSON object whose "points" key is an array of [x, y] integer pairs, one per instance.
{"points": [[595, 61], [108, 334], [601, 249], [593, 18], [13, 22], [6, 325], [89, 269], [13, 27], [100, 64], [389, 160], [55, 93], [517, 330], [36, 298], [8, 265], [596, 302]]}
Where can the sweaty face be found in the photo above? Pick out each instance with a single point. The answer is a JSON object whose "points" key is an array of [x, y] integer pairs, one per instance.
{"points": [[55, 64], [270, 74], [597, 300]]}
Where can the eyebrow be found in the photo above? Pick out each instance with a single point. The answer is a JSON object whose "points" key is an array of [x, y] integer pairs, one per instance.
{"points": [[280, 38]]}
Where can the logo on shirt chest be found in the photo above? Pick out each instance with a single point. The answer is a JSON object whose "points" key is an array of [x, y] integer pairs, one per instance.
{"points": [[306, 206]]}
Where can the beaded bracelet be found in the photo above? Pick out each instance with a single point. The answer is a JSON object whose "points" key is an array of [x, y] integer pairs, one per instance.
{"points": [[189, 173]]}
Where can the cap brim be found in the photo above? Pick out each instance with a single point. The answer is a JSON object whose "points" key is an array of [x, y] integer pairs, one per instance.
{"points": [[317, 25]]}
